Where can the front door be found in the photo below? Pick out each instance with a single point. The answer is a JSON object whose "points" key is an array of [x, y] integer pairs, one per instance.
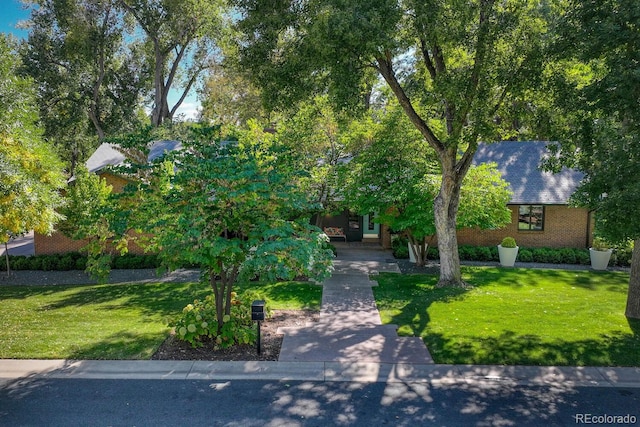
{"points": [[354, 227]]}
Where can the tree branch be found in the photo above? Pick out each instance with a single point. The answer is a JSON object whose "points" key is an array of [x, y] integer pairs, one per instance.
{"points": [[385, 68]]}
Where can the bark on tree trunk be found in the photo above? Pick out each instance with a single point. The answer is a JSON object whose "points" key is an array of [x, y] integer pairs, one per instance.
{"points": [[445, 208], [419, 248], [633, 295], [450, 274]]}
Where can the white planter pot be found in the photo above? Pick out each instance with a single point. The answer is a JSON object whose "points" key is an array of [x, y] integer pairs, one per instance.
{"points": [[599, 259], [412, 257], [508, 256]]}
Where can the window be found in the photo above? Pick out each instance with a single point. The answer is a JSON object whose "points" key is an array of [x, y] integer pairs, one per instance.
{"points": [[531, 217], [371, 225], [354, 221]]}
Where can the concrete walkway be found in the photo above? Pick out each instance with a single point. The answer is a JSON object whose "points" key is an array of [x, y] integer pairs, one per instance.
{"points": [[350, 329]]}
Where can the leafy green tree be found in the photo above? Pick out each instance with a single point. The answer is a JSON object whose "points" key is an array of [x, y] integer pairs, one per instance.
{"points": [[90, 73], [322, 141], [88, 216], [232, 210], [401, 184], [454, 68], [599, 40], [181, 38], [31, 175], [230, 99]]}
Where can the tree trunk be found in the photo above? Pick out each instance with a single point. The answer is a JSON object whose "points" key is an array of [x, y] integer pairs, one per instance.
{"points": [[633, 295], [445, 209], [6, 255], [160, 107], [445, 219], [419, 249]]}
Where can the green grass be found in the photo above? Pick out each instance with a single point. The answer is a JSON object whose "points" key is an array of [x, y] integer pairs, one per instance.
{"points": [[516, 317], [111, 321]]}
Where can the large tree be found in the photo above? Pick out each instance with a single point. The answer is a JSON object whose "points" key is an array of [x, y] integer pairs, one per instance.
{"points": [[90, 74], [601, 46], [453, 66], [396, 177], [322, 141], [231, 209], [182, 37], [31, 175], [230, 99]]}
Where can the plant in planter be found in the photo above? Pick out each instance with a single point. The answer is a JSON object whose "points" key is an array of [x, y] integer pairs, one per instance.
{"points": [[508, 252], [600, 254]]}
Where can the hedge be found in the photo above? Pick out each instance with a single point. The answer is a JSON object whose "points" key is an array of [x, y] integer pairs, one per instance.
{"points": [[76, 261], [621, 255]]}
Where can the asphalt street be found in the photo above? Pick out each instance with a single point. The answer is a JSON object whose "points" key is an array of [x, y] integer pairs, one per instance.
{"points": [[41, 401]]}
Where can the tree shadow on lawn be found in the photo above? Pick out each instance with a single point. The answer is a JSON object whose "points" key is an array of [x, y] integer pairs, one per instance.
{"points": [[152, 298], [166, 298], [121, 346], [415, 313], [514, 277], [509, 348]]}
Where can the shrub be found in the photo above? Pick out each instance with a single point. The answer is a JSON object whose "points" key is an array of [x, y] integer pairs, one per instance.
{"points": [[66, 263], [622, 254], [467, 253], [328, 245], [399, 247], [525, 255], [483, 253], [582, 257], [48, 263], [401, 253], [433, 253], [508, 242], [198, 322], [81, 263], [541, 255], [567, 256]]}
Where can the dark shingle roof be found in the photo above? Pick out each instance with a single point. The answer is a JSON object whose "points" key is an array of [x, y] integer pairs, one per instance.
{"points": [[519, 164]]}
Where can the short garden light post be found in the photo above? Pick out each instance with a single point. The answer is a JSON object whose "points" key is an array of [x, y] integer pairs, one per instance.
{"points": [[257, 315]]}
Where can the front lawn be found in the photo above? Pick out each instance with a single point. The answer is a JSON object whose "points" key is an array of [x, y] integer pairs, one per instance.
{"points": [[111, 321], [516, 317]]}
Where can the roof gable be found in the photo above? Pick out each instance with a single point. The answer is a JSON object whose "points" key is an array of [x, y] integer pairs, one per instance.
{"points": [[107, 154], [519, 164]]}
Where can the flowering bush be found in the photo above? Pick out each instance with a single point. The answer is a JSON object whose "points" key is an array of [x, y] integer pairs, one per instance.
{"points": [[197, 322]]}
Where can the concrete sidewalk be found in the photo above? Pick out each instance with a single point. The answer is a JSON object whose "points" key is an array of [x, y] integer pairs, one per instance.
{"points": [[11, 370]]}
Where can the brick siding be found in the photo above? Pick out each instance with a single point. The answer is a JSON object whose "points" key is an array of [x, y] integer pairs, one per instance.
{"points": [[564, 227], [58, 243]]}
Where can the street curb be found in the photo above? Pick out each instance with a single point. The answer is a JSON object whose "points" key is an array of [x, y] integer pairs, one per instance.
{"points": [[436, 375]]}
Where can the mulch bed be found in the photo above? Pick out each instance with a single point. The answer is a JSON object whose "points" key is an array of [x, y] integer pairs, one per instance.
{"points": [[271, 341]]}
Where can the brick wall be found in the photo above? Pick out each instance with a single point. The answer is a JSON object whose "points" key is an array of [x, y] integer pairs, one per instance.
{"points": [[58, 243], [564, 227]]}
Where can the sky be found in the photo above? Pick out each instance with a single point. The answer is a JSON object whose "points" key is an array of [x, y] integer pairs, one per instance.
{"points": [[12, 12]]}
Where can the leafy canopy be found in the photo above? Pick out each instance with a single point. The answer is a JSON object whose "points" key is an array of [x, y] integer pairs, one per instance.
{"points": [[231, 209], [31, 175]]}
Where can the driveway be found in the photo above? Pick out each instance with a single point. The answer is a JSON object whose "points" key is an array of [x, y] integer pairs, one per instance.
{"points": [[20, 246]]}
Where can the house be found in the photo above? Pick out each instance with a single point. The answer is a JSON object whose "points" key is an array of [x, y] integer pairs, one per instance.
{"points": [[540, 214], [101, 162]]}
